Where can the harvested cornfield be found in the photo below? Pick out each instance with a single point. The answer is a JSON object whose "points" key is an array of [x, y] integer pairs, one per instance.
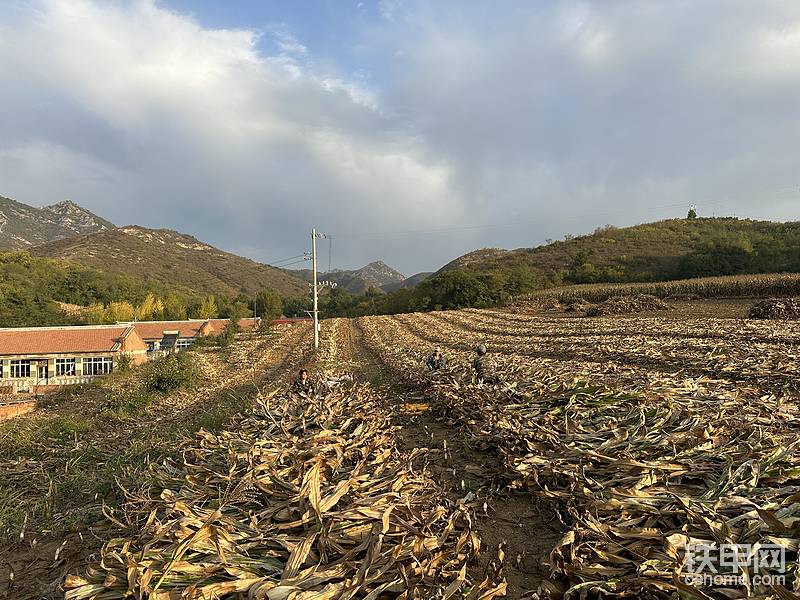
{"points": [[650, 439], [623, 305], [300, 499], [735, 286], [776, 308]]}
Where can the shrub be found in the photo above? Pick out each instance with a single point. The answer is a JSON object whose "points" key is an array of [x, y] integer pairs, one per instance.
{"points": [[127, 399], [228, 334], [124, 363], [170, 372]]}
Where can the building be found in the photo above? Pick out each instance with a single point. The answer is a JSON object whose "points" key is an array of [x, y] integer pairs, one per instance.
{"points": [[38, 359], [177, 335]]}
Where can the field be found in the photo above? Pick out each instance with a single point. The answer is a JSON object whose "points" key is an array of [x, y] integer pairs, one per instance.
{"points": [[605, 451]]}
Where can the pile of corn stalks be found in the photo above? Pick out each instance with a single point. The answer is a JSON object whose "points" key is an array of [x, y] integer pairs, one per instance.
{"points": [[621, 305], [301, 499], [776, 308], [639, 475]]}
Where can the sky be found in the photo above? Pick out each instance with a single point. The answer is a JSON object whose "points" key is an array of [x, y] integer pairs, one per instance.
{"points": [[408, 131]]}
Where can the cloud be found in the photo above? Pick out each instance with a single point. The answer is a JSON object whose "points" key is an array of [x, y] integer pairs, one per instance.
{"points": [[199, 131], [539, 118]]}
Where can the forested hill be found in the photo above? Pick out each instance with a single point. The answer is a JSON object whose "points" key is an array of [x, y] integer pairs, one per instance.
{"points": [[673, 249], [662, 251], [171, 260]]}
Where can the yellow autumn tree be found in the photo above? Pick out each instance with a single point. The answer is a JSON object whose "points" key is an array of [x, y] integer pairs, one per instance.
{"points": [[120, 311], [95, 314], [151, 308], [208, 308]]}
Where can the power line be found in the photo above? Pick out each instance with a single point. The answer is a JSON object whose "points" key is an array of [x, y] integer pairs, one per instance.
{"points": [[284, 259], [297, 262]]}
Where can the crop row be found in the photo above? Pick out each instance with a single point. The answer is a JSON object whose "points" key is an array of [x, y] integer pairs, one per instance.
{"points": [[642, 475]]}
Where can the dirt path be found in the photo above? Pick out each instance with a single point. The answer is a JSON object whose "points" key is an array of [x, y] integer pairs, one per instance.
{"points": [[510, 524]]}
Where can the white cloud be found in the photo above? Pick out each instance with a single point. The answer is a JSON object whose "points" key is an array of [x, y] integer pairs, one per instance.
{"points": [[199, 131]]}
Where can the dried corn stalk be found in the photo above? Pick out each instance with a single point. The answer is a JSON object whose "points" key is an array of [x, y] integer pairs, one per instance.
{"points": [[300, 500]]}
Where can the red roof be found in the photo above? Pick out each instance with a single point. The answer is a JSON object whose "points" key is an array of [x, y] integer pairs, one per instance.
{"points": [[154, 330], [191, 328], [68, 340]]}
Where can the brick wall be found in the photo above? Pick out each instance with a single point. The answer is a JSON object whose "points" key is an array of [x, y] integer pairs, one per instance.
{"points": [[17, 408]]}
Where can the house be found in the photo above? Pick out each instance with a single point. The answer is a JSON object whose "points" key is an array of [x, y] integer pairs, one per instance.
{"points": [[38, 359], [178, 335]]}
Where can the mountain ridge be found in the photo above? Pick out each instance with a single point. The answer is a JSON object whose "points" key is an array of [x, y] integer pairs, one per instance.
{"points": [[376, 274], [23, 226], [668, 249]]}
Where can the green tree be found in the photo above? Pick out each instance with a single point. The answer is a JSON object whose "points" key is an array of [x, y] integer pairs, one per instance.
{"points": [[174, 307], [268, 304]]}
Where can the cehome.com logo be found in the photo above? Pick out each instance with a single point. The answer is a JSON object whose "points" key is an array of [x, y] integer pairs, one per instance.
{"points": [[732, 565]]}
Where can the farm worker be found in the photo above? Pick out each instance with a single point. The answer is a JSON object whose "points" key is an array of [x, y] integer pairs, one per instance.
{"points": [[303, 384], [436, 361], [483, 365]]}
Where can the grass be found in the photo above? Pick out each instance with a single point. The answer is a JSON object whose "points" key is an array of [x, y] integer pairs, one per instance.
{"points": [[61, 465]]}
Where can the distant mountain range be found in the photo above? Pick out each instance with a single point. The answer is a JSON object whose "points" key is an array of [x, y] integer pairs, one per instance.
{"points": [[166, 258], [23, 226], [375, 275]]}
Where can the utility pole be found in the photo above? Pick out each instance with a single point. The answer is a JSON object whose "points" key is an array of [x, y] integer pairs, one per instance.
{"points": [[314, 237], [314, 269]]}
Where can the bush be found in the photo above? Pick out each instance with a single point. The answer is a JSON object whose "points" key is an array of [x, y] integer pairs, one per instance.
{"points": [[124, 363], [128, 399], [170, 372], [228, 334]]}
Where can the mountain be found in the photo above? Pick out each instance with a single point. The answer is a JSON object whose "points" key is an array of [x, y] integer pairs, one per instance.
{"points": [[376, 275], [409, 282], [23, 226], [171, 260], [672, 249]]}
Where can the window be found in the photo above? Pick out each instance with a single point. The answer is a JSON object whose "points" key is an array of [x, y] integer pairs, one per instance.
{"points": [[20, 369], [183, 344], [65, 367], [100, 365]]}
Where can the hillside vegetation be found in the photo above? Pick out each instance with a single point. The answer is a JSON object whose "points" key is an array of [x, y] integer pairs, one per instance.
{"points": [[673, 249], [664, 251], [172, 260], [41, 291]]}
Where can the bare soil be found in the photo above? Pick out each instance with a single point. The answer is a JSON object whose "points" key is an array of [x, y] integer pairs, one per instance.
{"points": [[509, 523]]}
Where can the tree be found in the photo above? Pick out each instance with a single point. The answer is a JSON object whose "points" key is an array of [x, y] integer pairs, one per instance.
{"points": [[268, 304], [117, 312], [208, 308], [692, 213], [151, 308], [174, 308]]}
